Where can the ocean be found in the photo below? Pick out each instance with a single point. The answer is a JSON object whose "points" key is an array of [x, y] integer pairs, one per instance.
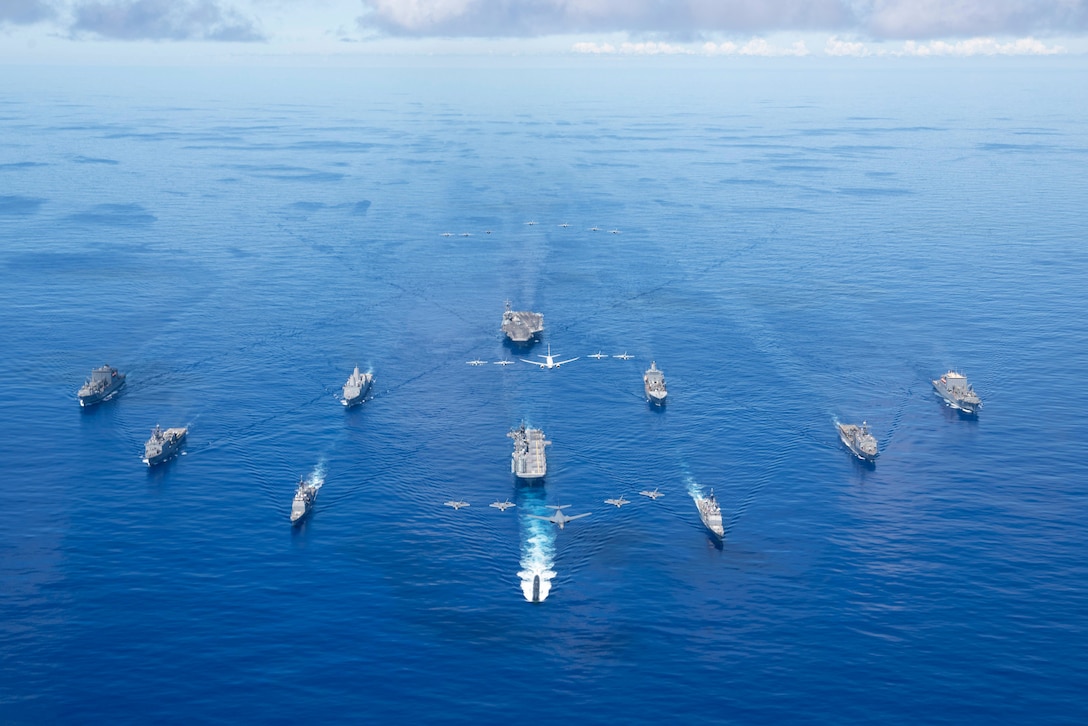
{"points": [[794, 242]]}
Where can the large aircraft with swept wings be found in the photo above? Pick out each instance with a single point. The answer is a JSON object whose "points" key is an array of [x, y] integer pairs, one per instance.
{"points": [[549, 360], [559, 518]]}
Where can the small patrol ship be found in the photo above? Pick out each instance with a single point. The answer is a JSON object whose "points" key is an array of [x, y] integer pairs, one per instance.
{"points": [[859, 440], [520, 327], [303, 501], [957, 392], [528, 460], [163, 445], [101, 386], [654, 383], [711, 514], [356, 388]]}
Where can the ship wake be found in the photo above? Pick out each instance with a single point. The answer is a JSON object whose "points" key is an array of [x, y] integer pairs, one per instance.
{"points": [[316, 477], [537, 558]]}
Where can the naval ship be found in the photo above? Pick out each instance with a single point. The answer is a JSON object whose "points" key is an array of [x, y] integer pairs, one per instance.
{"points": [[711, 514], [356, 388], [520, 327], [654, 382], [163, 445], [859, 440], [303, 501], [957, 392], [528, 460], [101, 386]]}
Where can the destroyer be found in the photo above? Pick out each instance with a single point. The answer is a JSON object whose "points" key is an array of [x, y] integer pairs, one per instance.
{"points": [[957, 392], [521, 327], [711, 514], [356, 388], [528, 460], [303, 501], [654, 382], [101, 386], [859, 440], [163, 445]]}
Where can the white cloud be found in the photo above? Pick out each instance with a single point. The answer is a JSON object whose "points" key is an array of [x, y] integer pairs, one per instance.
{"points": [[838, 47], [754, 47], [980, 46]]}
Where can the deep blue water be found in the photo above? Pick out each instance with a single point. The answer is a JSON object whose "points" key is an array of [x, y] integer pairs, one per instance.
{"points": [[798, 244]]}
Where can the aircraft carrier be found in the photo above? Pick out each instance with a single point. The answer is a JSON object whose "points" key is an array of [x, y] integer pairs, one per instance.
{"points": [[711, 513], [521, 327], [957, 392], [528, 460], [163, 445], [101, 386], [859, 440], [654, 383]]}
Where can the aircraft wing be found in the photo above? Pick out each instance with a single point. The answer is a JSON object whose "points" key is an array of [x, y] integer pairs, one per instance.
{"points": [[542, 365], [578, 516], [546, 519], [559, 363]]}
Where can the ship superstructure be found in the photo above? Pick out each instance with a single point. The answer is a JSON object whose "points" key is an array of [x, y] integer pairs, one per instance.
{"points": [[163, 444], [859, 440], [654, 383], [711, 514], [521, 326], [101, 386], [528, 460], [356, 388], [957, 392]]}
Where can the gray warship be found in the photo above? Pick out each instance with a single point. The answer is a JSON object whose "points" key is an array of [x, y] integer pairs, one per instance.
{"points": [[957, 392], [356, 388], [711, 514], [520, 327], [528, 460], [303, 501], [654, 383], [101, 386], [163, 445], [859, 440]]}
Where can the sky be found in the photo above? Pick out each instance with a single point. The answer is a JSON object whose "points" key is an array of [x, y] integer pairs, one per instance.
{"points": [[193, 31]]}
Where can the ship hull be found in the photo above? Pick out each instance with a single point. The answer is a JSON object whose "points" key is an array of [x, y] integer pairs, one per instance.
{"points": [[848, 442], [169, 451], [657, 399], [102, 396], [348, 402], [967, 407]]}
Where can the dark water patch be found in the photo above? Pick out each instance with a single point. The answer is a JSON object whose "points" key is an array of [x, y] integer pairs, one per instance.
{"points": [[94, 160], [308, 206], [20, 165], [145, 135], [881, 174], [1019, 148], [340, 146], [239, 253], [874, 191], [16, 206], [803, 167], [750, 182], [775, 210], [359, 209], [114, 215]]}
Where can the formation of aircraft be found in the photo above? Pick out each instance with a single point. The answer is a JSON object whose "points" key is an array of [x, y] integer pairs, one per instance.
{"points": [[559, 519], [624, 356], [502, 506], [457, 504], [617, 503], [549, 360], [652, 494], [476, 362]]}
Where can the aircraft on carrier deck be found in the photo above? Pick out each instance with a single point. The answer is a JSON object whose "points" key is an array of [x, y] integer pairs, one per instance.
{"points": [[559, 518], [549, 360]]}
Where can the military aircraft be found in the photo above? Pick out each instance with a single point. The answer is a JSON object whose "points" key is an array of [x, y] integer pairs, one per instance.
{"points": [[617, 503], [466, 234], [476, 362], [594, 228], [502, 506], [559, 518], [504, 362], [624, 356], [549, 360], [564, 225], [457, 504], [614, 231], [598, 355], [447, 234], [530, 223], [652, 495]]}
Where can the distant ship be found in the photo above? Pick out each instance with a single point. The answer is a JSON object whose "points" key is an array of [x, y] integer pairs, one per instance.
{"points": [[303, 501], [528, 460], [957, 392], [859, 440], [356, 388], [163, 445], [520, 327], [654, 382], [101, 386], [711, 514]]}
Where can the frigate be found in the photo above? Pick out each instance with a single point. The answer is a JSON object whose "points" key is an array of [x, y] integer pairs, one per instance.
{"points": [[654, 383], [163, 444], [957, 392], [101, 386], [303, 501], [710, 513], [528, 460], [520, 327], [859, 440], [356, 388]]}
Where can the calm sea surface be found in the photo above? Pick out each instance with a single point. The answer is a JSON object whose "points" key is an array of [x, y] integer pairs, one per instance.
{"points": [[795, 244]]}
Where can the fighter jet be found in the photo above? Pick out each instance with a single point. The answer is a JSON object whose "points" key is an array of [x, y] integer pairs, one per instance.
{"points": [[614, 231], [466, 234], [624, 356], [559, 518], [502, 506], [458, 504], [652, 495], [549, 360], [617, 503], [476, 362], [447, 234], [564, 225], [594, 228], [598, 355], [530, 223], [504, 362]]}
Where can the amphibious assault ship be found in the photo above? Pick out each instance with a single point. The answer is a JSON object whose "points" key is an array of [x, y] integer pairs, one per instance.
{"points": [[957, 392], [528, 460], [303, 501], [654, 383], [356, 388], [521, 327], [859, 440], [711, 514], [163, 445], [101, 386]]}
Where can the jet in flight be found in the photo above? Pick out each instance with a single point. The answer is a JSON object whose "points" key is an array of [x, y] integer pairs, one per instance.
{"points": [[458, 504], [476, 362], [594, 229], [531, 223], [447, 234], [466, 234], [549, 360], [652, 495], [502, 506], [624, 356], [564, 225], [598, 355], [559, 518], [504, 362], [617, 503], [614, 231]]}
